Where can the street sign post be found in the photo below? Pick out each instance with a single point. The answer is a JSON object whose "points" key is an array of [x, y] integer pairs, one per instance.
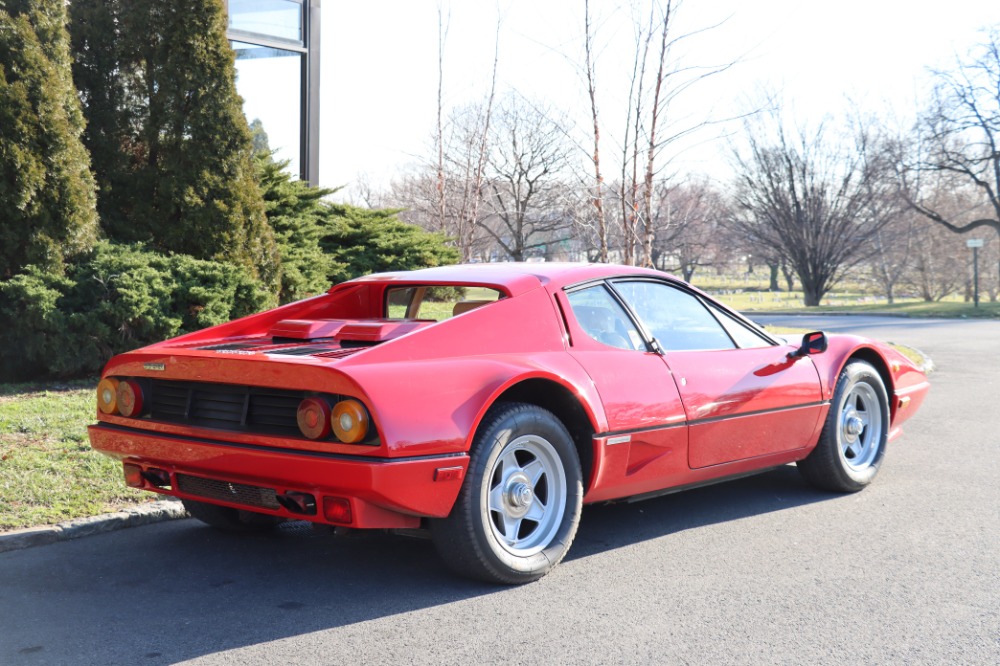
{"points": [[975, 244]]}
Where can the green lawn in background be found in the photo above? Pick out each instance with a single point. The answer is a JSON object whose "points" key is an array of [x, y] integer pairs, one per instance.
{"points": [[751, 296]]}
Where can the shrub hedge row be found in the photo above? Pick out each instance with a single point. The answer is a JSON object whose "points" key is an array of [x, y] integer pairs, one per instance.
{"points": [[115, 298]]}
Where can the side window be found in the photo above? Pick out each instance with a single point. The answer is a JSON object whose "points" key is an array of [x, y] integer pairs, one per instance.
{"points": [[603, 319], [745, 336], [675, 318]]}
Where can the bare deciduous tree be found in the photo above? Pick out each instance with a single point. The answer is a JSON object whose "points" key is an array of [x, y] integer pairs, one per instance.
{"points": [[659, 77], [960, 142], [528, 156], [817, 202], [598, 196], [939, 263], [687, 219]]}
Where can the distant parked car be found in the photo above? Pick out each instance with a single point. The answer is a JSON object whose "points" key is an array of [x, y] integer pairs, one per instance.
{"points": [[487, 403]]}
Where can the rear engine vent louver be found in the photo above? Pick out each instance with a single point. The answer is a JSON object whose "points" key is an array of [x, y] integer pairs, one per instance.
{"points": [[226, 406]]}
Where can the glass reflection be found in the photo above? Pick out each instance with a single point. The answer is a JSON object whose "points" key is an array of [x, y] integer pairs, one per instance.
{"points": [[270, 82], [274, 18]]}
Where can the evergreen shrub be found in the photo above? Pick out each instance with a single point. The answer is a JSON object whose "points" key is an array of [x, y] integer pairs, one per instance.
{"points": [[116, 298]]}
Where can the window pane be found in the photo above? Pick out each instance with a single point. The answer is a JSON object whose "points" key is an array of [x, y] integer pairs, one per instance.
{"points": [[675, 318], [603, 319], [270, 82], [745, 337], [436, 302], [273, 18]]}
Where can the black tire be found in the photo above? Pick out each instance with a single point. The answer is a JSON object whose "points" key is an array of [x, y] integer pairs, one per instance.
{"points": [[228, 519], [519, 506], [852, 444]]}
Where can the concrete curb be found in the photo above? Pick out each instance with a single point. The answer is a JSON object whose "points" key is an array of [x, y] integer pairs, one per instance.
{"points": [[144, 514]]}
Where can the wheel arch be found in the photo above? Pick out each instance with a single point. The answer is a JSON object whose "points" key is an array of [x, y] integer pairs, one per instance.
{"points": [[873, 358], [567, 407]]}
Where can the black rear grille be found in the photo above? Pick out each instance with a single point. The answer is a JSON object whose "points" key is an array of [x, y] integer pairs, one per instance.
{"points": [[231, 346], [339, 353], [225, 406], [303, 350], [237, 493]]}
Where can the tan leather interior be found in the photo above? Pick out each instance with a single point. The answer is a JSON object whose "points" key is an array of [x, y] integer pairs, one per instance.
{"points": [[464, 306]]}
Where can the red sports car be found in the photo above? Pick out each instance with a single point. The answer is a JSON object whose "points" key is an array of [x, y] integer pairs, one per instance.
{"points": [[487, 403]]}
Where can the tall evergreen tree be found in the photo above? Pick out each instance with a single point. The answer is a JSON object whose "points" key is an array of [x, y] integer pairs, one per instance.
{"points": [[47, 200], [295, 211], [165, 99], [105, 73]]}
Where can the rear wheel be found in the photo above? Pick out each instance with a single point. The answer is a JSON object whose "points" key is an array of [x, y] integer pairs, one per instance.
{"points": [[519, 507], [228, 519], [852, 444]]}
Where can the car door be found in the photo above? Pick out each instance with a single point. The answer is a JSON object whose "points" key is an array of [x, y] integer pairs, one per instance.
{"points": [[743, 395], [645, 443]]}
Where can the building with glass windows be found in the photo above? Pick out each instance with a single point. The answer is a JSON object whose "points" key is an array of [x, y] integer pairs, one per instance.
{"points": [[277, 74]]}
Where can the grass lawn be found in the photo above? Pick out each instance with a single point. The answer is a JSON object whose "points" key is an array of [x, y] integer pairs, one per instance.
{"points": [[48, 472], [752, 297]]}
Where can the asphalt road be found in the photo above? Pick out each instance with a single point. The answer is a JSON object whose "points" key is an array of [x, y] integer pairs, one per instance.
{"points": [[758, 571]]}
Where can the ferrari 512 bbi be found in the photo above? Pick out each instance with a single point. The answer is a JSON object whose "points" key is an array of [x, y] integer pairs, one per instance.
{"points": [[487, 403]]}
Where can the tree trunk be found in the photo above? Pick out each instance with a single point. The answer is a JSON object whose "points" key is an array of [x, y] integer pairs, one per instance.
{"points": [[774, 277], [812, 294], [789, 276]]}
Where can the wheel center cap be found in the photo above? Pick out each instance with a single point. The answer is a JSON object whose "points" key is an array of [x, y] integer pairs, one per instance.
{"points": [[518, 495], [521, 495], [853, 426]]}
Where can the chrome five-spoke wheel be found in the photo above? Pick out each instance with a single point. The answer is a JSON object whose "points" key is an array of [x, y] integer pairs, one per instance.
{"points": [[860, 427], [852, 444], [519, 506], [526, 495]]}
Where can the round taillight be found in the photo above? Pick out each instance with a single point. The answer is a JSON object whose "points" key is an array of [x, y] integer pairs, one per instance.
{"points": [[129, 398], [107, 395], [350, 421], [313, 417]]}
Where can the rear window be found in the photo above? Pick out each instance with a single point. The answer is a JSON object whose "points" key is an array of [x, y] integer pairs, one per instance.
{"points": [[436, 302]]}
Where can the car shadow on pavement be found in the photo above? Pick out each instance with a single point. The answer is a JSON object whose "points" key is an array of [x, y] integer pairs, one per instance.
{"points": [[618, 525], [174, 591]]}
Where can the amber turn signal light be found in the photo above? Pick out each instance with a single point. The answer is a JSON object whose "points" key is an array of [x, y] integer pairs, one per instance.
{"points": [[107, 395], [350, 421], [313, 417], [129, 395]]}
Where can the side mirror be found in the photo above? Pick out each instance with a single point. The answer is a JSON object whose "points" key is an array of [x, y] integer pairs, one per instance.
{"points": [[812, 343]]}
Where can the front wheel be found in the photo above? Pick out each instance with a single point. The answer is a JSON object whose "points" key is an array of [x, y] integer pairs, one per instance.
{"points": [[852, 444], [519, 507]]}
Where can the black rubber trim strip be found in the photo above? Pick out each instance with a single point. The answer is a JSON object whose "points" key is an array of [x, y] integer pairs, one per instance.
{"points": [[713, 419], [277, 449], [631, 431]]}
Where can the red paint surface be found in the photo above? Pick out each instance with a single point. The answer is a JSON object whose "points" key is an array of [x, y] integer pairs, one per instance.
{"points": [[651, 421]]}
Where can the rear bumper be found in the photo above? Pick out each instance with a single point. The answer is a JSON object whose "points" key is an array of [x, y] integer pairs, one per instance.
{"points": [[383, 493]]}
